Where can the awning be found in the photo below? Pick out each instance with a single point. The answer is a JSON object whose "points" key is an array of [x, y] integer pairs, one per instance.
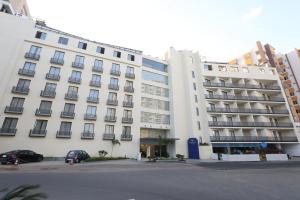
{"points": [[156, 140], [235, 144]]}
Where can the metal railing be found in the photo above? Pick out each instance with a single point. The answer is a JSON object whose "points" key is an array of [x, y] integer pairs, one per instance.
{"points": [[8, 131], [48, 93], [113, 86], [65, 114], [244, 98], [112, 102], [247, 110], [87, 135], [108, 136], [57, 61], [130, 75], [77, 65], [92, 99], [128, 120], [115, 72], [63, 134], [54, 77], [20, 90], [246, 86], [89, 116], [97, 69], [110, 118], [26, 72], [37, 133], [95, 83], [74, 80], [250, 124], [32, 56], [253, 139], [14, 109], [128, 104], [43, 112], [126, 137], [71, 96], [128, 89]]}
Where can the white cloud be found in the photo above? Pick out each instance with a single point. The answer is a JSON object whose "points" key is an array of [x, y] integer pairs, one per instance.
{"points": [[252, 14]]}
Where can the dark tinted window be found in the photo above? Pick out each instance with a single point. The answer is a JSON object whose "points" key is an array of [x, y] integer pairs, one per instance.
{"points": [[154, 65]]}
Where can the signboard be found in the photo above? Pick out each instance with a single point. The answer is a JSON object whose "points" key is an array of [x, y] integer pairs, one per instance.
{"points": [[193, 148], [263, 145]]}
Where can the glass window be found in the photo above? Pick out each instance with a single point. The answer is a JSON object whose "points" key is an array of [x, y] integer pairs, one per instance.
{"points": [[111, 112], [196, 98], [128, 98], [115, 67], [50, 87], [245, 70], [73, 90], [54, 71], [100, 50], [69, 107], [130, 70], [82, 45], [76, 74], [154, 65], [98, 63], [29, 66], [114, 81], [40, 35], [233, 69], [130, 57], [199, 126], [79, 59], [112, 96], [94, 93], [17, 102], [117, 54], [194, 86], [45, 105], [59, 55], [40, 125], [35, 50], [91, 110], [65, 126], [63, 40], [197, 111], [23, 83], [126, 130], [208, 67], [193, 74], [109, 129], [89, 128], [222, 68], [128, 83], [10, 123], [96, 78], [127, 113], [150, 76]]}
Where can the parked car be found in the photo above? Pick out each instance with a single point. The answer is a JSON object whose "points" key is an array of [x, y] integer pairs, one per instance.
{"points": [[20, 156], [76, 156]]}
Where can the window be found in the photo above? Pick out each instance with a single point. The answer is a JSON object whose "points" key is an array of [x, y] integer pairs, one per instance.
{"points": [[40, 35], [199, 126], [150, 76], [194, 86], [72, 90], [232, 133], [216, 133], [208, 67], [82, 45], [29, 66], [222, 82], [214, 118], [9, 124], [128, 98], [51, 87], [261, 70], [45, 105], [212, 106], [100, 50], [191, 59], [109, 129], [130, 57], [126, 130], [117, 54], [17, 102], [94, 94], [98, 63], [193, 74], [79, 59], [115, 67], [196, 98], [76, 74], [127, 113], [197, 111], [210, 93], [63, 40], [23, 83], [111, 112], [88, 128], [245, 70], [40, 125], [69, 108], [65, 127], [91, 110], [155, 118], [34, 50], [155, 104], [233, 69], [155, 65], [54, 71], [129, 84], [130, 70], [96, 78], [224, 93], [114, 81], [222, 68], [112, 96], [154, 90], [59, 55]]}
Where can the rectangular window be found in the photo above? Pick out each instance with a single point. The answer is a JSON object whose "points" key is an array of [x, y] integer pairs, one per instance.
{"points": [[54, 71], [130, 70], [115, 67], [72, 90], [193, 74], [208, 67], [40, 35], [79, 59], [100, 50], [233, 69], [155, 65], [82, 45], [94, 93], [222, 68], [130, 57], [88, 128], [111, 112], [194, 85], [114, 81], [196, 98], [96, 78], [199, 126], [35, 50], [109, 129], [76, 74], [112, 96], [59, 55], [69, 107], [126, 130], [17, 102], [129, 84], [51, 87], [23, 83], [98, 63], [127, 113], [9, 123], [40, 125], [150, 76], [63, 40], [91, 110], [45, 105], [117, 54], [29, 66], [128, 98], [65, 126], [197, 111]]}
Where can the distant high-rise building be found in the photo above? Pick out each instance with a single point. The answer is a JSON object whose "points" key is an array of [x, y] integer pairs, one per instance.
{"points": [[19, 7]]}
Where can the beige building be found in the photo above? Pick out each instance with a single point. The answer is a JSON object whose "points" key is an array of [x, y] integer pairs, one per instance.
{"points": [[17, 7]]}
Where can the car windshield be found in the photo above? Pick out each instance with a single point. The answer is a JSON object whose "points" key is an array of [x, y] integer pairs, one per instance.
{"points": [[11, 152], [71, 154]]}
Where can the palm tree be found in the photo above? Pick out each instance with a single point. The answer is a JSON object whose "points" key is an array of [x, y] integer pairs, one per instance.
{"points": [[23, 192], [114, 142]]}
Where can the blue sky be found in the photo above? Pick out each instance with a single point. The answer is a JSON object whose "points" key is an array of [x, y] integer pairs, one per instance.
{"points": [[219, 30]]}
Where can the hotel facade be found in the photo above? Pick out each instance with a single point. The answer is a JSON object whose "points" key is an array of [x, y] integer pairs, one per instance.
{"points": [[61, 92]]}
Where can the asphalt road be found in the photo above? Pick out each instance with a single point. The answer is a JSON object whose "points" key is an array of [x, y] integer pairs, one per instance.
{"points": [[160, 181]]}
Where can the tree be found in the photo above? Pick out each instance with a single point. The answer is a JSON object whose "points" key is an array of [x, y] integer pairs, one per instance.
{"points": [[162, 141], [23, 192], [113, 143]]}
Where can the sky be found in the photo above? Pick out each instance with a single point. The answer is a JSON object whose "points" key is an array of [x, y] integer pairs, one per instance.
{"points": [[218, 29]]}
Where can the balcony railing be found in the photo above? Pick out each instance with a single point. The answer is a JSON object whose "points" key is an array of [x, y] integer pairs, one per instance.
{"points": [[247, 110], [77, 65], [243, 98], [253, 139], [108, 136], [57, 61], [63, 134], [109, 118], [14, 109], [87, 135], [250, 124], [43, 112], [112, 102], [128, 89], [20, 90], [8, 131], [26, 72], [54, 77], [95, 83], [74, 80], [32, 56], [115, 72], [88, 116], [37, 133], [127, 120], [126, 137], [130, 75], [71, 96], [48, 93], [246, 86], [92, 99], [97, 69], [65, 114], [128, 104], [113, 86]]}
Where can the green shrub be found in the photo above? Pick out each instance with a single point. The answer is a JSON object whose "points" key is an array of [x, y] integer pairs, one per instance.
{"points": [[95, 159]]}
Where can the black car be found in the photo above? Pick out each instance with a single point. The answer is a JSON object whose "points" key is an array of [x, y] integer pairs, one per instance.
{"points": [[20, 156], [76, 156]]}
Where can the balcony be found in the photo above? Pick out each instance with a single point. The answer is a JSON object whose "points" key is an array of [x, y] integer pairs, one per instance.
{"points": [[108, 136], [68, 115], [88, 116], [245, 86], [129, 89], [92, 99], [20, 90], [87, 135], [246, 110], [97, 69], [130, 75], [250, 124], [71, 96], [78, 65], [113, 86], [128, 104], [110, 118], [48, 93], [127, 120], [63, 134], [43, 112], [115, 72], [13, 110], [112, 102], [8, 131], [253, 139], [54, 77], [95, 83], [126, 137], [32, 56], [37, 133], [243, 98], [26, 72], [74, 80], [57, 61]]}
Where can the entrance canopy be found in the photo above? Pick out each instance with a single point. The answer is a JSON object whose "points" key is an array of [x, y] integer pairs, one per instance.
{"points": [[151, 140]]}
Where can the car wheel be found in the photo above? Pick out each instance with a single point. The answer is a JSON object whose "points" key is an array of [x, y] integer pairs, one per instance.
{"points": [[40, 159]]}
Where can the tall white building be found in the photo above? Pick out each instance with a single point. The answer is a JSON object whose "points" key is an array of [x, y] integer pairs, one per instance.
{"points": [[61, 92]]}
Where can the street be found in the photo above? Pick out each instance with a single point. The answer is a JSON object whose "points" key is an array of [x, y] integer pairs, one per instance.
{"points": [[160, 181]]}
